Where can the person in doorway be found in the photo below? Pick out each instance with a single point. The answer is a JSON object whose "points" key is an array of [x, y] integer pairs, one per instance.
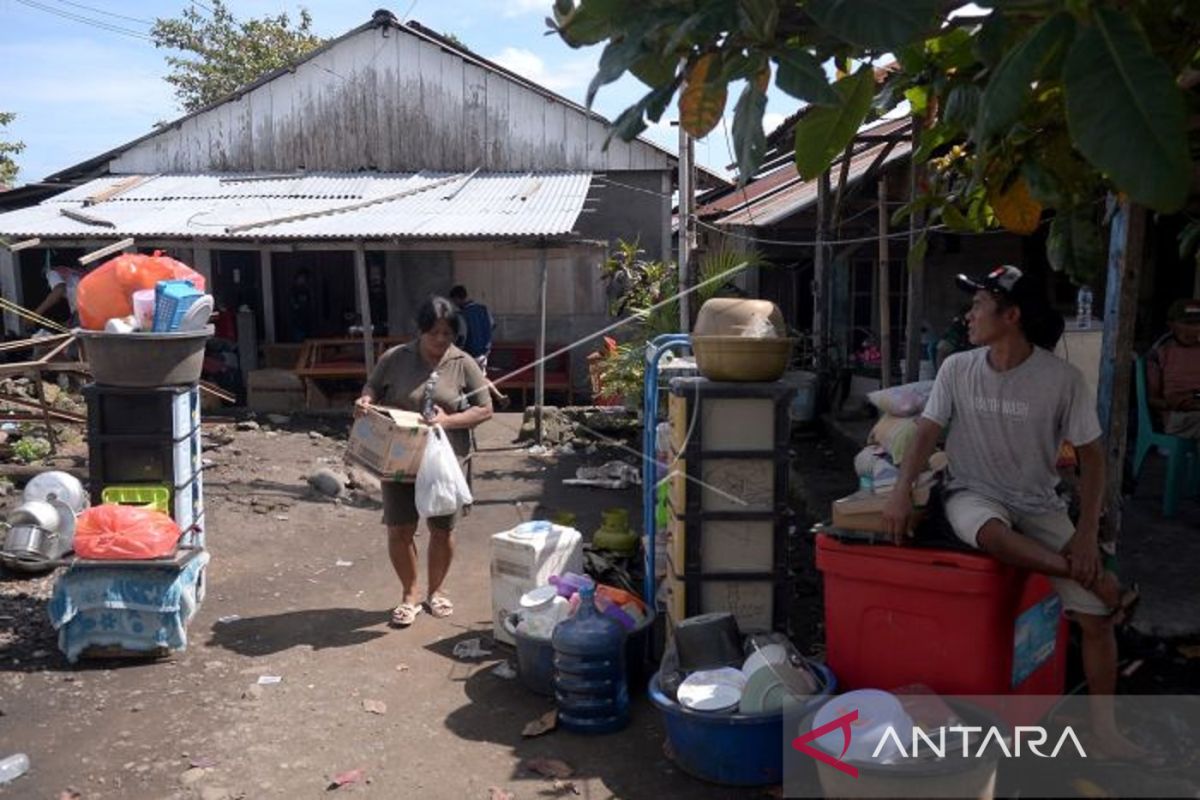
{"points": [[63, 281], [476, 325], [1173, 372], [1008, 404], [300, 307], [404, 378]]}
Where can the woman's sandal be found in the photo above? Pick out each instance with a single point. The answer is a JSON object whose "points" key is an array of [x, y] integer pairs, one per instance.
{"points": [[439, 607], [405, 614]]}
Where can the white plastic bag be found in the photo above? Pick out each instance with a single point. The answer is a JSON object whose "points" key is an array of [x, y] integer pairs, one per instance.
{"points": [[441, 488]]}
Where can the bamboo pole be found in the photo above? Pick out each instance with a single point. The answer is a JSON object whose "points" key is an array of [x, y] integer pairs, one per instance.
{"points": [[885, 290]]}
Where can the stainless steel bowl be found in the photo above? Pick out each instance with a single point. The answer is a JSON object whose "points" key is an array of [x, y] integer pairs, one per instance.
{"points": [[58, 485]]}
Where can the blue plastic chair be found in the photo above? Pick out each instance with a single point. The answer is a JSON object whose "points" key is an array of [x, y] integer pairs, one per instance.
{"points": [[1183, 457]]}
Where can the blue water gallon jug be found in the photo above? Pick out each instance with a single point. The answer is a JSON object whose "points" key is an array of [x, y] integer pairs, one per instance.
{"points": [[589, 670]]}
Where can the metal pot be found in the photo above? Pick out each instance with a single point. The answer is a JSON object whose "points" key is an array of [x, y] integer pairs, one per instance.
{"points": [[31, 548], [40, 530]]}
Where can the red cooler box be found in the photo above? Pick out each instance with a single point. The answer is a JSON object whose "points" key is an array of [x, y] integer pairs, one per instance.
{"points": [[958, 622]]}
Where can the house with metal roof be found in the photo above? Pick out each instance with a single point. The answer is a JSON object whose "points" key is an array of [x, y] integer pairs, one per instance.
{"points": [[388, 164]]}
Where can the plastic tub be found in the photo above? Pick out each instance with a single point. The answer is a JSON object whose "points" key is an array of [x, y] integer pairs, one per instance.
{"points": [[145, 359], [949, 777], [741, 358], [730, 749]]}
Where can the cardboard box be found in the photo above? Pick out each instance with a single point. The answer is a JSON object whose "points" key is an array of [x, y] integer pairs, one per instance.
{"points": [[863, 511], [389, 442]]}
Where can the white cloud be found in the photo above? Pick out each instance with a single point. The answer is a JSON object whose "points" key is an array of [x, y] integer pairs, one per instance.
{"points": [[566, 77], [515, 8]]}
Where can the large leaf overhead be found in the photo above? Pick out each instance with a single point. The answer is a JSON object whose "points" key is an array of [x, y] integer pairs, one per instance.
{"points": [[884, 24], [703, 99], [1125, 112], [802, 76], [1010, 84], [824, 131], [749, 140]]}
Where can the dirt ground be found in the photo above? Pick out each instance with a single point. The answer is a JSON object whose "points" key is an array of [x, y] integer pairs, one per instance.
{"points": [[311, 588], [300, 588]]}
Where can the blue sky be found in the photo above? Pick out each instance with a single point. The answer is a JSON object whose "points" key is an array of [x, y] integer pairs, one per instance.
{"points": [[80, 89]]}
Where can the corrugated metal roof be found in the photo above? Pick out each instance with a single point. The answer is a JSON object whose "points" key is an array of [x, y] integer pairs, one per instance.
{"points": [[780, 193], [420, 205]]}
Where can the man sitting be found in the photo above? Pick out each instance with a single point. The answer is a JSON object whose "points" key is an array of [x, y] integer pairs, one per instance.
{"points": [[1173, 372]]}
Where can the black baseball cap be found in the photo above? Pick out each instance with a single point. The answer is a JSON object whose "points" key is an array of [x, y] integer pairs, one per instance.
{"points": [[1004, 279]]}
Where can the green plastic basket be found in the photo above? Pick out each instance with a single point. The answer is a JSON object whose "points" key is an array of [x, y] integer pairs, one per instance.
{"points": [[157, 498]]}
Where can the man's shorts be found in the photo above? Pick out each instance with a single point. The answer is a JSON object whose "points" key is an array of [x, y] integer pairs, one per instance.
{"points": [[400, 507], [968, 512]]}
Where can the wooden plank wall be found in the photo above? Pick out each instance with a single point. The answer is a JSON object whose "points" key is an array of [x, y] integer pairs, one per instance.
{"points": [[397, 103]]}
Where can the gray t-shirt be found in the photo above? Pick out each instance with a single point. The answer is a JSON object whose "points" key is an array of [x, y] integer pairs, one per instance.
{"points": [[398, 381], [1005, 428]]}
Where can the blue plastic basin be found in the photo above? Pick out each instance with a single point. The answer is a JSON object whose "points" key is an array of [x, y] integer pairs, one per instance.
{"points": [[731, 749]]}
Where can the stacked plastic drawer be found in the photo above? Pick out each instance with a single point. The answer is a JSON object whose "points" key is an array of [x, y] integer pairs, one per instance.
{"points": [[730, 520], [149, 439]]}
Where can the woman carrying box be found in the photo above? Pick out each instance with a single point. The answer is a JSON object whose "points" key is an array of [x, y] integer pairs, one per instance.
{"points": [[432, 377]]}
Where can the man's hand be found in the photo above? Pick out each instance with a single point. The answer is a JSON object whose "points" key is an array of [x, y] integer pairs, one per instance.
{"points": [[896, 514], [361, 405], [1083, 555]]}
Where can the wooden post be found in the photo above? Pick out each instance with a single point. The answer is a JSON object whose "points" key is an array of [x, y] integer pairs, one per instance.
{"points": [[539, 373], [8, 288], [885, 290], [364, 306], [1125, 252], [267, 286], [916, 273], [685, 244], [820, 324]]}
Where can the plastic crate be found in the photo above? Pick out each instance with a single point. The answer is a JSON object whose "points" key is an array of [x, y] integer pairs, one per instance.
{"points": [[118, 460], [958, 622], [172, 411], [172, 299], [153, 497], [710, 543]]}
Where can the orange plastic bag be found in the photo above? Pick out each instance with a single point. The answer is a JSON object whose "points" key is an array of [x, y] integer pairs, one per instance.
{"points": [[107, 291], [113, 531]]}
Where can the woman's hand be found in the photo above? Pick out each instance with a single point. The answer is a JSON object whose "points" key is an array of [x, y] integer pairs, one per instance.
{"points": [[440, 417], [361, 405]]}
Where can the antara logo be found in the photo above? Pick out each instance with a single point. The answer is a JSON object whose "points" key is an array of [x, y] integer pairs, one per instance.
{"points": [[1029, 736]]}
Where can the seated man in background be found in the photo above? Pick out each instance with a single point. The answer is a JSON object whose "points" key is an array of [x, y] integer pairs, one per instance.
{"points": [[1173, 372]]}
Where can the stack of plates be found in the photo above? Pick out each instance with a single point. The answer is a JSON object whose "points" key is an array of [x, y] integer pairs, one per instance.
{"points": [[712, 689]]}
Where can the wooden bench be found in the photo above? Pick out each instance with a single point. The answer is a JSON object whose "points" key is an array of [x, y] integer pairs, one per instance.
{"points": [[337, 362], [508, 357]]}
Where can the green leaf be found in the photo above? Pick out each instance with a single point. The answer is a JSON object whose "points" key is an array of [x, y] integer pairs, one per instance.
{"points": [[991, 43], [759, 18], [749, 140], [952, 50], [1126, 114], [591, 22], [918, 98], [1010, 83], [962, 106], [825, 131], [802, 76], [916, 255], [933, 138], [618, 56], [880, 24], [654, 71], [1075, 244]]}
